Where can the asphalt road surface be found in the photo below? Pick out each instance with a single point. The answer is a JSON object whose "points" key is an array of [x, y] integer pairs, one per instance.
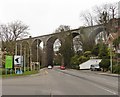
{"points": [[61, 82]]}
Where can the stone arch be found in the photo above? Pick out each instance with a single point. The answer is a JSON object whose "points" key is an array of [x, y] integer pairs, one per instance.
{"points": [[18, 48], [77, 44], [36, 51], [96, 31], [49, 49], [74, 34], [25, 52]]}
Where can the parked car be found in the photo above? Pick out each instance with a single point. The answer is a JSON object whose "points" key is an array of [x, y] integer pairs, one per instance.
{"points": [[49, 67], [62, 67], [95, 67]]}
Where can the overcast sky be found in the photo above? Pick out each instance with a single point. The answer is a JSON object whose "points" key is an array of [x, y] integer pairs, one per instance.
{"points": [[44, 16]]}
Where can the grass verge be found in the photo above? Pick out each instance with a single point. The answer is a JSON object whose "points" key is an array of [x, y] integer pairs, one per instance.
{"points": [[17, 75]]}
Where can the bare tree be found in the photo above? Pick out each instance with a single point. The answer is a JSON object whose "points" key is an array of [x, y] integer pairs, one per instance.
{"points": [[87, 17], [105, 12], [13, 31], [62, 28], [100, 14]]}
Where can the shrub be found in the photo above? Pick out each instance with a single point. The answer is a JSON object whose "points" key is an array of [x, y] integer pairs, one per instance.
{"points": [[3, 71], [116, 69], [74, 60], [105, 63], [95, 50], [74, 64], [87, 53], [103, 52], [83, 59]]}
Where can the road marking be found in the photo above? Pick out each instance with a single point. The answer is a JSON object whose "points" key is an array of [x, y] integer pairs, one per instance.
{"points": [[101, 87], [35, 75], [108, 90], [46, 72]]}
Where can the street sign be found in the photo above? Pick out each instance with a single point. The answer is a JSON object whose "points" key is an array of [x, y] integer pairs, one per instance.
{"points": [[9, 62], [18, 60]]}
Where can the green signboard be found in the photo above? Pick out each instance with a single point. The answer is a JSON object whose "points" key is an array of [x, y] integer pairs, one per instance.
{"points": [[9, 62]]}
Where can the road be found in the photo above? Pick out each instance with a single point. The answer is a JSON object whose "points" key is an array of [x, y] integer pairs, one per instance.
{"points": [[61, 82]]}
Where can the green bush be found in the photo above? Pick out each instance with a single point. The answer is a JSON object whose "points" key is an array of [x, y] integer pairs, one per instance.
{"points": [[74, 64], [116, 69], [57, 64], [3, 71], [114, 62], [103, 52], [74, 60], [95, 50], [105, 64], [83, 59], [87, 53], [117, 55]]}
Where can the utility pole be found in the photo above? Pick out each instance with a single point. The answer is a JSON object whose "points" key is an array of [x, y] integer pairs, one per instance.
{"points": [[111, 57], [16, 48], [24, 59], [21, 55], [37, 54], [0, 52]]}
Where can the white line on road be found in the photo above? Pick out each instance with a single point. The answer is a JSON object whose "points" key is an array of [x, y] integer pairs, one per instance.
{"points": [[108, 90]]}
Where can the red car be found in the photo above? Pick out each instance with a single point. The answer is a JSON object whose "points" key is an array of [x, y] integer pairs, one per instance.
{"points": [[62, 67]]}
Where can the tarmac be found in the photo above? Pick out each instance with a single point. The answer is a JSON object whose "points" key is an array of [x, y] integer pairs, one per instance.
{"points": [[108, 74]]}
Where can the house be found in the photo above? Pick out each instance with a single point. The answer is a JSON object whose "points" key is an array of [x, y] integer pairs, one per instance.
{"points": [[114, 33], [86, 65]]}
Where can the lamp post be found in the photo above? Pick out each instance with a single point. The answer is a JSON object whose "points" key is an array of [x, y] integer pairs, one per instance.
{"points": [[0, 53], [38, 54], [111, 65], [24, 59]]}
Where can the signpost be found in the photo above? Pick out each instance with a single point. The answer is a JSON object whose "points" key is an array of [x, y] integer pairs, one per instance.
{"points": [[18, 63], [8, 63], [17, 60]]}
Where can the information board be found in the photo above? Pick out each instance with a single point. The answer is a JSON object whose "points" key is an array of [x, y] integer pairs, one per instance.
{"points": [[9, 62]]}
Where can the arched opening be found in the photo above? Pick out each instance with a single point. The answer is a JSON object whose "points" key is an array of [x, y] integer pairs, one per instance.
{"points": [[53, 45], [36, 49], [57, 58], [97, 34], [17, 48], [41, 45], [74, 34], [25, 53], [77, 44]]}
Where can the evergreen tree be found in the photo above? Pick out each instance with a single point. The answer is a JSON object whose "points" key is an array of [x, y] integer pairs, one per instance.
{"points": [[67, 50], [103, 52], [95, 50]]}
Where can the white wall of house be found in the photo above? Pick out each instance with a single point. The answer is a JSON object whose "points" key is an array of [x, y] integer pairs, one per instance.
{"points": [[87, 64]]}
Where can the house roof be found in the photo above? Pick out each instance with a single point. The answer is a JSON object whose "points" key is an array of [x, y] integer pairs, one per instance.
{"points": [[112, 37]]}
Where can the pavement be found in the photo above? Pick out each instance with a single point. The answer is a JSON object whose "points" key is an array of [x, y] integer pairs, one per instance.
{"points": [[103, 73], [109, 74], [61, 82]]}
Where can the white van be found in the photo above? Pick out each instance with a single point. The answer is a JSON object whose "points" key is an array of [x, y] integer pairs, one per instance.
{"points": [[95, 67]]}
